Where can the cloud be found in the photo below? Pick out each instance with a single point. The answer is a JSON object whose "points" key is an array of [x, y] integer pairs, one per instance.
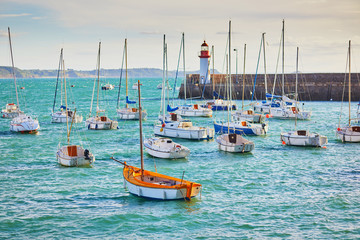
{"points": [[14, 15], [38, 18]]}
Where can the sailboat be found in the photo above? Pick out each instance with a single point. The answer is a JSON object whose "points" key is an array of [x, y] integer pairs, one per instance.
{"points": [[302, 137], [72, 155], [239, 127], [191, 110], [60, 116], [20, 122], [12, 110], [98, 122], [171, 126], [217, 103], [233, 142], [280, 106], [129, 113], [249, 114], [351, 132], [147, 184]]}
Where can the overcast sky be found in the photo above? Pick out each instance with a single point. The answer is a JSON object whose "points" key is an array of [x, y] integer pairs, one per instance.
{"points": [[39, 28]]}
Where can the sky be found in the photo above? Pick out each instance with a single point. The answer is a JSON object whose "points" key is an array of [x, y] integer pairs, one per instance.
{"points": [[40, 28]]}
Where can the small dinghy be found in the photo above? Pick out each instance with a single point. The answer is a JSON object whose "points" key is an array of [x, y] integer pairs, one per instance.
{"points": [[234, 143], [165, 148], [74, 156]]}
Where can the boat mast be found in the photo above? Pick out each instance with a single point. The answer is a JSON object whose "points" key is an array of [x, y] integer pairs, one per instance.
{"points": [[349, 83], [57, 79], [66, 107], [141, 138], [265, 80], [213, 67], [230, 80], [183, 40], [122, 66], [126, 74], [13, 70], [296, 84], [163, 83], [98, 82], [283, 58], [243, 84]]}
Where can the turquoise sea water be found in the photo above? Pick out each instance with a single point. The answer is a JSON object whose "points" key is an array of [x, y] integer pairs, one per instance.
{"points": [[276, 191]]}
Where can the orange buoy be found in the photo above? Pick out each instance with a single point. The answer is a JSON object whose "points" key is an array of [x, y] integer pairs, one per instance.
{"points": [[324, 147], [338, 129], [267, 116], [283, 143], [161, 129]]}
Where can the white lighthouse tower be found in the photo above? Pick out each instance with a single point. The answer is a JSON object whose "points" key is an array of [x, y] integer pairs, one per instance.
{"points": [[204, 63]]}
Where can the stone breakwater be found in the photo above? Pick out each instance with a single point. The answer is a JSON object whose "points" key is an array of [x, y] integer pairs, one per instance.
{"points": [[311, 86]]}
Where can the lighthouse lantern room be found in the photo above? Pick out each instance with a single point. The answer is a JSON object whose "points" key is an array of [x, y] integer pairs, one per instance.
{"points": [[204, 63]]}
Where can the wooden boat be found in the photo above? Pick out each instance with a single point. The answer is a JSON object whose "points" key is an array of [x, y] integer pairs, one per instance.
{"points": [[302, 137], [147, 184], [60, 116], [12, 110], [128, 113], [165, 148], [351, 132], [99, 122]]}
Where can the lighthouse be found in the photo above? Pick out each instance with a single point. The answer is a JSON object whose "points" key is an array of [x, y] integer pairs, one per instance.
{"points": [[204, 63]]}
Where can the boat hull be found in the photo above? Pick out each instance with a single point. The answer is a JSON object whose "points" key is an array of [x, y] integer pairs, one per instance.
{"points": [[79, 160], [311, 140], [60, 117], [158, 190], [195, 134], [348, 135], [226, 146], [24, 124], [93, 124], [250, 129], [156, 148], [127, 114]]}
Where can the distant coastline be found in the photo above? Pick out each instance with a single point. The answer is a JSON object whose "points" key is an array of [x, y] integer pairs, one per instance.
{"points": [[6, 72]]}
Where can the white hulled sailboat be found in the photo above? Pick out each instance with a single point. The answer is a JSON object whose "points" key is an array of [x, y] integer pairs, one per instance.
{"points": [[302, 137], [72, 155], [128, 113], [98, 122], [60, 116], [351, 132], [21, 122]]}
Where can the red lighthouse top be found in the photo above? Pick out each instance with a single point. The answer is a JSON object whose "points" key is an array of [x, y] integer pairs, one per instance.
{"points": [[204, 53]]}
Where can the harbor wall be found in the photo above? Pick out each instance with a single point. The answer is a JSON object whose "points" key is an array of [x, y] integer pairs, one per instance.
{"points": [[311, 86]]}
